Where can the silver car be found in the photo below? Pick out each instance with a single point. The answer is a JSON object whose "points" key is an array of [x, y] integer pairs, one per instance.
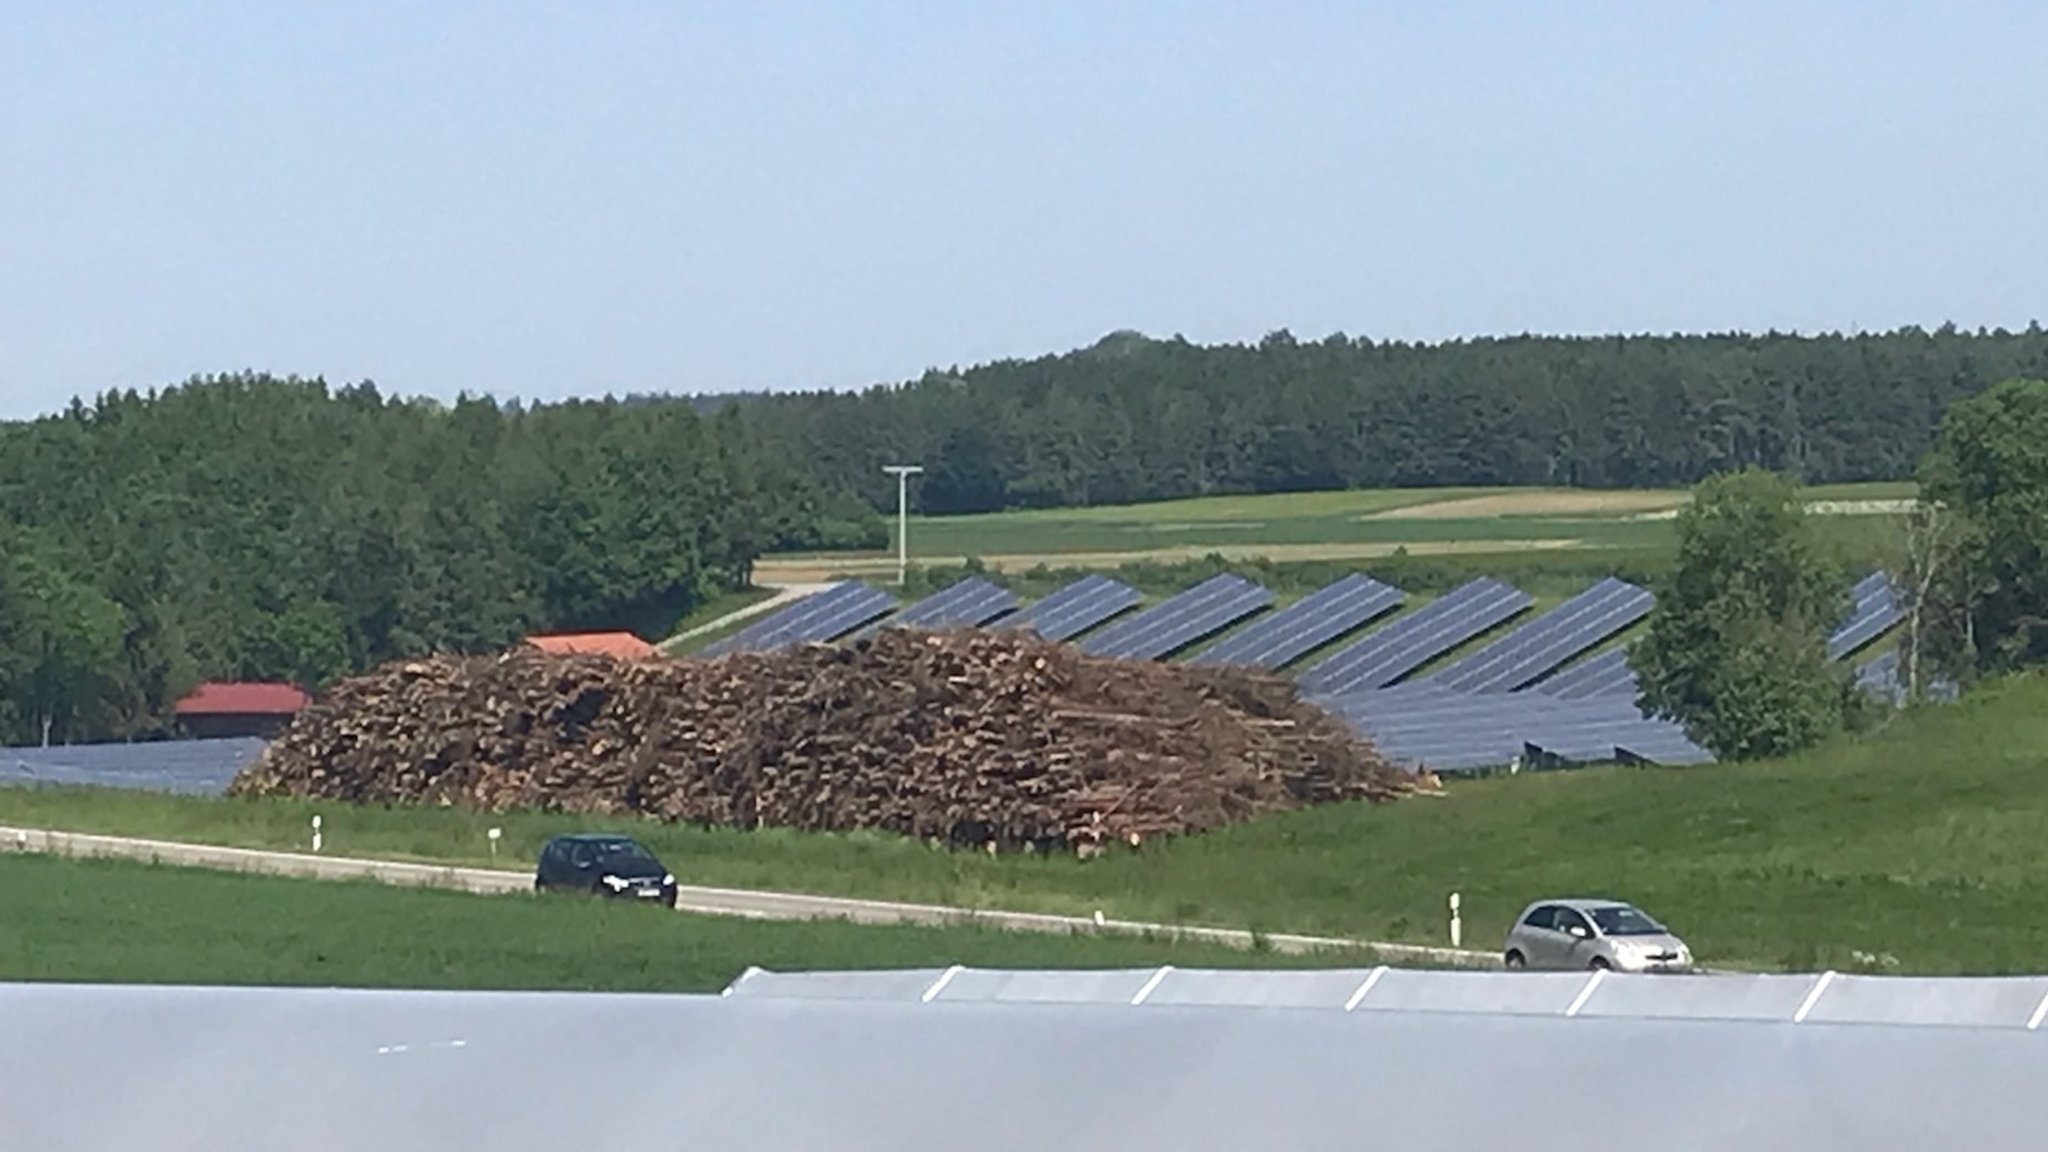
{"points": [[1580, 935]]}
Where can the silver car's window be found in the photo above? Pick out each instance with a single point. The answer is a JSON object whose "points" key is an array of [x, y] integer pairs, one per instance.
{"points": [[1544, 917], [1568, 919], [1625, 922]]}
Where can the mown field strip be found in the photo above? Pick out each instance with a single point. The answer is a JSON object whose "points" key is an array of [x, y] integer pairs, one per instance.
{"points": [[707, 901]]}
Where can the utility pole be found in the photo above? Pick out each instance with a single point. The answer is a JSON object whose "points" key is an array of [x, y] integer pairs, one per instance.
{"points": [[903, 473]]}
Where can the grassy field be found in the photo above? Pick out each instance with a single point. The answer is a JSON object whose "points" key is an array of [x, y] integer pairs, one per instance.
{"points": [[721, 606], [1923, 842], [1303, 528], [98, 920]]}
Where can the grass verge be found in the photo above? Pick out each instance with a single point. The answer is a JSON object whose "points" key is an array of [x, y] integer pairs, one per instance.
{"points": [[112, 921]]}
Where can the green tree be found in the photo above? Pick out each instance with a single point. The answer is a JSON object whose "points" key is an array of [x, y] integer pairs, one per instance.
{"points": [[1989, 469], [265, 527], [1736, 650], [61, 641]]}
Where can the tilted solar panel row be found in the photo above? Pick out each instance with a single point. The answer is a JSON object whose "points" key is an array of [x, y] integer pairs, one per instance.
{"points": [[1175, 623], [1884, 676], [1869, 589], [1076, 608], [1607, 674], [1876, 612], [1305, 625], [1524, 655], [188, 767], [816, 618], [1450, 732], [1411, 641], [970, 603]]}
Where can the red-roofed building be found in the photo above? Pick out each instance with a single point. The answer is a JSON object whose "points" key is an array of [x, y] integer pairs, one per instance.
{"points": [[240, 708], [622, 645]]}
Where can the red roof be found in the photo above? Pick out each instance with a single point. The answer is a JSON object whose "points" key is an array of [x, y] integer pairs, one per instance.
{"points": [[623, 645], [243, 699]]}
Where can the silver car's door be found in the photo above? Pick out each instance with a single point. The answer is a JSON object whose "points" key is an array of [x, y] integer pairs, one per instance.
{"points": [[1538, 937], [1573, 951]]}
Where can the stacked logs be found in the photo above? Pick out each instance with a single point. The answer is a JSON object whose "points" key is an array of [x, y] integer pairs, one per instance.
{"points": [[977, 737]]}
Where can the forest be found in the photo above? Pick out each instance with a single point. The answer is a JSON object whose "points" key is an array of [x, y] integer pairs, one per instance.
{"points": [[1133, 418], [252, 527]]}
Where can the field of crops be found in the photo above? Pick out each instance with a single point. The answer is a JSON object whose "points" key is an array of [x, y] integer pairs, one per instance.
{"points": [[1314, 527]]}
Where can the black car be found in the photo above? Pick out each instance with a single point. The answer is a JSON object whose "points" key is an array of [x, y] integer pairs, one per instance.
{"points": [[606, 864]]}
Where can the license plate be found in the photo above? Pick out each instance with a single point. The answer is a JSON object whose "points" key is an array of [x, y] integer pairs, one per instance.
{"points": [[649, 892]]}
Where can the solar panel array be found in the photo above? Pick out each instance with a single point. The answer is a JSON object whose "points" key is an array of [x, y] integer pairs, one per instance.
{"points": [[188, 767], [815, 619], [1305, 625], [1519, 700], [970, 603], [1077, 607], [1425, 725], [1178, 621], [1875, 613], [1607, 674], [1524, 655], [1411, 641]]}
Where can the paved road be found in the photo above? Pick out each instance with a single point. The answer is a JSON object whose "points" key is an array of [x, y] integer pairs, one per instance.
{"points": [[713, 901]]}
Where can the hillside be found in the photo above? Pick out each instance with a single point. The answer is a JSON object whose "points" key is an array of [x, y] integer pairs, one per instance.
{"points": [[1926, 842]]}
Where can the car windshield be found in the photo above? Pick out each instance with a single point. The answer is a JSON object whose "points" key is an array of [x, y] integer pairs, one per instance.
{"points": [[1624, 921], [625, 852]]}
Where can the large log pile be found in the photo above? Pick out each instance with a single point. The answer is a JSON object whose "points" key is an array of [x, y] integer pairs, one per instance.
{"points": [[984, 738]]}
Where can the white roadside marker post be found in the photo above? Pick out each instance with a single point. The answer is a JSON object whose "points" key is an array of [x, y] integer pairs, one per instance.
{"points": [[494, 834], [316, 833], [1457, 924]]}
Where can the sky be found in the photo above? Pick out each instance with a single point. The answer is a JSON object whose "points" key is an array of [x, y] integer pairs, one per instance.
{"points": [[540, 200]]}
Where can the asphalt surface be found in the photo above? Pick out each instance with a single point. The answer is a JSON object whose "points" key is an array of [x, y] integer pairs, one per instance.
{"points": [[706, 901]]}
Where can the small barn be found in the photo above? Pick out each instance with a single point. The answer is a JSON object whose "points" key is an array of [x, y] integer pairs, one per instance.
{"points": [[622, 645], [240, 708]]}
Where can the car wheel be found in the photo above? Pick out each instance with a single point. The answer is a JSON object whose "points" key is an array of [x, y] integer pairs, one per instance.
{"points": [[1599, 964], [1516, 961]]}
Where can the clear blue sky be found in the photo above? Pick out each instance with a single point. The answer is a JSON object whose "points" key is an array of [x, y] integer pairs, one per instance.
{"points": [[541, 200]]}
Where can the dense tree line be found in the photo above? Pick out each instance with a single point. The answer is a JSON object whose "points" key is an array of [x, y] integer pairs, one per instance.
{"points": [[1133, 418], [252, 527]]}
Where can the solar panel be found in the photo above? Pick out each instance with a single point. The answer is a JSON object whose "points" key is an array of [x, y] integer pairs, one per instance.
{"points": [[1176, 622], [1408, 643], [188, 767], [1603, 675], [816, 618], [1076, 608], [1425, 725], [1524, 655], [1882, 676], [1876, 612], [968, 604], [1305, 625]]}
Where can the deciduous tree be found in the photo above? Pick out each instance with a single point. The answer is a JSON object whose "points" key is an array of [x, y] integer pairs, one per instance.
{"points": [[1736, 649]]}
